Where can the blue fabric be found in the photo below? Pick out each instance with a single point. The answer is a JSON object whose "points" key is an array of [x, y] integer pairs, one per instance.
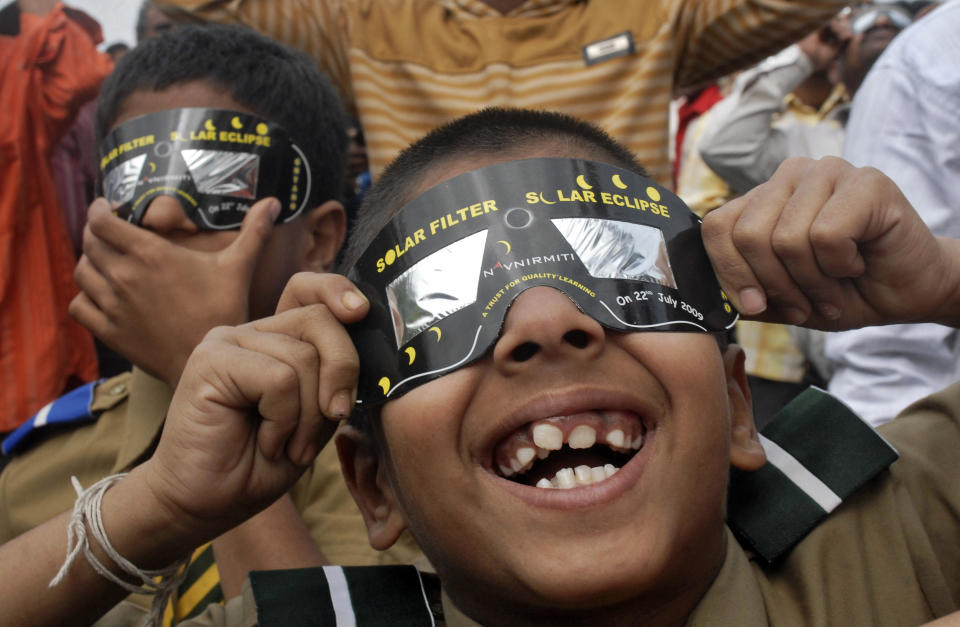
{"points": [[72, 407]]}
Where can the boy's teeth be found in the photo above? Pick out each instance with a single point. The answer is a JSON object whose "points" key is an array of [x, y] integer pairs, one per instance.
{"points": [[583, 475], [525, 455], [582, 436], [637, 442], [616, 438], [548, 437], [567, 478]]}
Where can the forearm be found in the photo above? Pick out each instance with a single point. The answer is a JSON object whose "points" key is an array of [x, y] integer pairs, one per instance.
{"points": [[38, 7], [741, 143], [135, 526], [273, 539]]}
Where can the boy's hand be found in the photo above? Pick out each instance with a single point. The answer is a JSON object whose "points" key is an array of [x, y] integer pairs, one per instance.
{"points": [[254, 406], [830, 246], [151, 300]]}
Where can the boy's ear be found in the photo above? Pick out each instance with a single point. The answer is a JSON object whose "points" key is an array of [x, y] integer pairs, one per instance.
{"points": [[746, 452], [366, 478], [325, 227]]}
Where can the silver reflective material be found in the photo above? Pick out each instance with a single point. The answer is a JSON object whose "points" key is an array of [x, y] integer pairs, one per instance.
{"points": [[436, 286], [610, 249], [120, 183], [223, 173]]}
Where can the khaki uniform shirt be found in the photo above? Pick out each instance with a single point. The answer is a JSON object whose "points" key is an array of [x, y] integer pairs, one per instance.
{"points": [[408, 66], [890, 555], [35, 486]]}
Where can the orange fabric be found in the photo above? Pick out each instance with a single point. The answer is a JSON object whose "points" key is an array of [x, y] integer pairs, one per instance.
{"points": [[48, 71]]}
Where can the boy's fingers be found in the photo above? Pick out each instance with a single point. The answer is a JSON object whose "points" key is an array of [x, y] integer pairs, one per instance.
{"points": [[339, 362], [304, 369], [85, 311], [119, 234], [92, 282], [255, 231], [333, 290], [734, 273], [753, 235], [793, 243]]}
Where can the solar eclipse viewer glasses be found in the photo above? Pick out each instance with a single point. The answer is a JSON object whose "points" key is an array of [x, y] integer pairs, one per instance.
{"points": [[442, 274], [217, 163]]}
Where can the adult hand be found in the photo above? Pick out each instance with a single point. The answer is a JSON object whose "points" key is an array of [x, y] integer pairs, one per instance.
{"points": [[254, 406], [152, 300], [823, 46], [830, 246]]}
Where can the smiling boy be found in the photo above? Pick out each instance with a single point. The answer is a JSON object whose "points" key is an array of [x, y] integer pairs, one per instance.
{"points": [[434, 452]]}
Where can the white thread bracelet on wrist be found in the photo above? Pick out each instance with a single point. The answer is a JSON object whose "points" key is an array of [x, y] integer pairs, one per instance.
{"points": [[86, 511]]}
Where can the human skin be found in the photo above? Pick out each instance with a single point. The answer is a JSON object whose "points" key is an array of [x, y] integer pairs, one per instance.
{"points": [[152, 292], [641, 545]]}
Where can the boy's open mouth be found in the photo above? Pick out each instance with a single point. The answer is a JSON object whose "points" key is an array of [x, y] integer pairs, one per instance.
{"points": [[570, 451]]}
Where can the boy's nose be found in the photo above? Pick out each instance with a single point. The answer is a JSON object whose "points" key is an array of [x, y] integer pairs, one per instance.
{"points": [[543, 324], [165, 215]]}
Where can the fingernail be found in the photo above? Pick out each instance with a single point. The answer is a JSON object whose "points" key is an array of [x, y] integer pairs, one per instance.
{"points": [[353, 300], [274, 208], [794, 316], [341, 404], [752, 301], [829, 311]]}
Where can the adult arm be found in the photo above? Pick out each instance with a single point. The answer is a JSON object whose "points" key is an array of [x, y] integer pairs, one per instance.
{"points": [[829, 246], [250, 413], [715, 38], [741, 143]]}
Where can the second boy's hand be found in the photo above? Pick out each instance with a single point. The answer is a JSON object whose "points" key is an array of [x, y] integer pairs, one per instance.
{"points": [[826, 245], [268, 393], [133, 308]]}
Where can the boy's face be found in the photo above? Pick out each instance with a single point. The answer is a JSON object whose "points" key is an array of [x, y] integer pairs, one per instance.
{"points": [[289, 243], [652, 530]]}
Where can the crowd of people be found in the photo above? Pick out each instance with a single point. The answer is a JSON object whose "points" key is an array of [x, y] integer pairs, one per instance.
{"points": [[649, 316]]}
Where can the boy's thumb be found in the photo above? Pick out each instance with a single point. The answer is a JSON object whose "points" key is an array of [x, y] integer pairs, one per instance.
{"points": [[256, 229]]}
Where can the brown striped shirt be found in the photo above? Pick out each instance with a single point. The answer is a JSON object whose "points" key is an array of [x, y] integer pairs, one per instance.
{"points": [[407, 66]]}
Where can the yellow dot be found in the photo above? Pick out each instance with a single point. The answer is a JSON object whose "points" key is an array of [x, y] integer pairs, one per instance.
{"points": [[262, 128], [390, 257], [726, 307], [296, 161], [293, 189], [653, 194], [293, 206], [723, 295]]}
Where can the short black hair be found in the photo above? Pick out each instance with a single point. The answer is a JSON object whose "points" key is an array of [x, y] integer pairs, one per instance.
{"points": [[264, 76], [491, 131]]}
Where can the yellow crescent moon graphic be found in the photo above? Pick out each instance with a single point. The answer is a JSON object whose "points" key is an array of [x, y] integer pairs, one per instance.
{"points": [[618, 181], [209, 125], [384, 384], [582, 182], [545, 201], [505, 243], [437, 329], [153, 166], [411, 353], [236, 123]]}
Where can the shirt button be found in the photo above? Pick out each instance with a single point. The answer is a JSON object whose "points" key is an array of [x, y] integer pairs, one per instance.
{"points": [[118, 389]]}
